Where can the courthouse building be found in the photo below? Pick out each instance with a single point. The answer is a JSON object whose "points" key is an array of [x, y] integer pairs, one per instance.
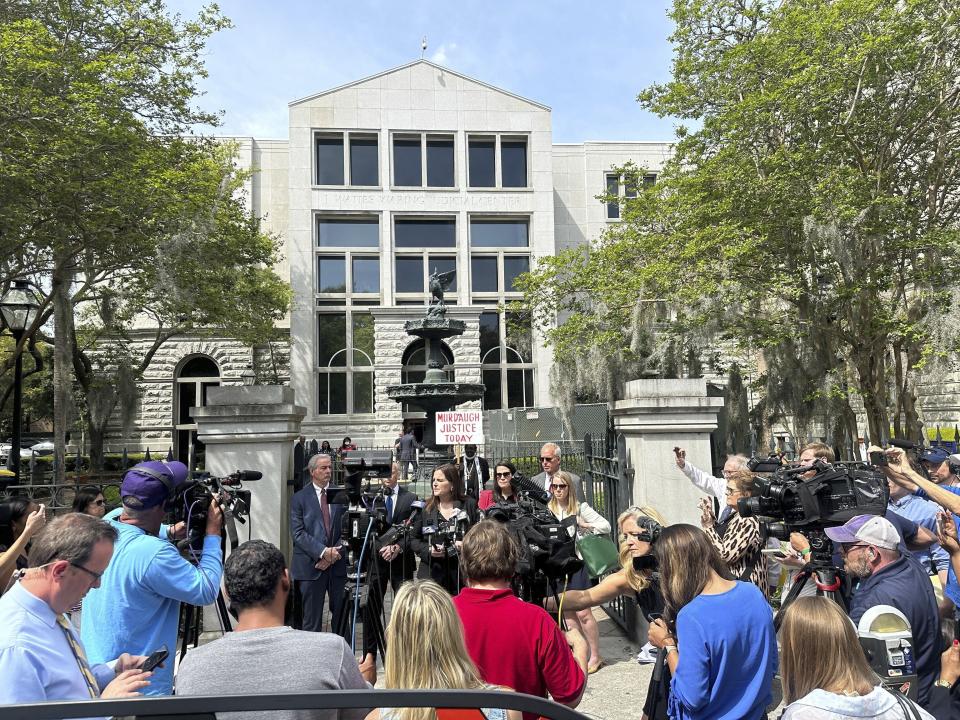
{"points": [[381, 182]]}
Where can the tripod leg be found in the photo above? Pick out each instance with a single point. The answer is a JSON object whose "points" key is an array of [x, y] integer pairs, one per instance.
{"points": [[189, 612], [802, 578], [225, 622]]}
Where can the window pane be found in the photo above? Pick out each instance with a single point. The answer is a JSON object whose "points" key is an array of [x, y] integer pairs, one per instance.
{"points": [[512, 267], [613, 188], [423, 233], [630, 189], [331, 274], [489, 332], [406, 161], [445, 263], [363, 160], [409, 272], [363, 392], [513, 163], [519, 337], [483, 271], [331, 338], [366, 275], [440, 162], [362, 338], [330, 160], [491, 392], [499, 233], [332, 391], [649, 180], [482, 162], [348, 232], [188, 399], [516, 388]]}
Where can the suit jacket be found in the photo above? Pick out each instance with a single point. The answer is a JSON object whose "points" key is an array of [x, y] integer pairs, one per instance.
{"points": [[310, 535], [402, 509], [483, 468], [541, 478], [421, 545], [408, 448]]}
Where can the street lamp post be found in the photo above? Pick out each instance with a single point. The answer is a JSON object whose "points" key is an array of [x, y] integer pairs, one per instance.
{"points": [[18, 308]]}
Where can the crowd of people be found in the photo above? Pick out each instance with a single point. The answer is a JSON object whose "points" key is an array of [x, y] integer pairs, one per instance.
{"points": [[705, 593]]}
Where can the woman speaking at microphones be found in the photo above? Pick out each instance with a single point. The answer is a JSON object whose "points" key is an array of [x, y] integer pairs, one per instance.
{"points": [[439, 530]]}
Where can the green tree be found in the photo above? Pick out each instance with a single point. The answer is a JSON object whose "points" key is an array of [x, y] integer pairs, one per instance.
{"points": [[811, 216], [129, 220]]}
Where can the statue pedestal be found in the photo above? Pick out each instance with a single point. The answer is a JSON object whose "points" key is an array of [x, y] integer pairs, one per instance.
{"points": [[254, 428], [655, 417]]}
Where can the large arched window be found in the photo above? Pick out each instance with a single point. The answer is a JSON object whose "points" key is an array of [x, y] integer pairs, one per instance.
{"points": [[506, 361], [414, 362], [197, 374], [345, 358]]}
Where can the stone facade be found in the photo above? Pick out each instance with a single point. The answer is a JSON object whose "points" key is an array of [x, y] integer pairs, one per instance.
{"points": [[557, 202]]}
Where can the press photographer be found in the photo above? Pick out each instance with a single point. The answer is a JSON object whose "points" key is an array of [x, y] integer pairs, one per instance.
{"points": [[136, 607], [439, 531]]}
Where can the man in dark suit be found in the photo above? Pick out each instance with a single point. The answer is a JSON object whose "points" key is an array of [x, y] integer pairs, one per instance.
{"points": [[474, 470], [318, 566], [395, 563], [407, 453]]}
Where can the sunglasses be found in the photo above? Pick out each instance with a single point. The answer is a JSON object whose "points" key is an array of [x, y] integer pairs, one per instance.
{"points": [[547, 459], [555, 486], [503, 474], [99, 503]]}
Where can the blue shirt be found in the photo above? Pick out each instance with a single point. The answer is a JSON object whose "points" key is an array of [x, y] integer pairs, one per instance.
{"points": [[905, 586], [727, 656], [136, 609], [924, 513], [36, 662], [952, 590]]}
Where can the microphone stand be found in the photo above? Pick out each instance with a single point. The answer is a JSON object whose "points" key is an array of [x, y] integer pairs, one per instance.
{"points": [[657, 681]]}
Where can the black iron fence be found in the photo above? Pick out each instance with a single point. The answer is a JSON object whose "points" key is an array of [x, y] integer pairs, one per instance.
{"points": [[205, 707]]}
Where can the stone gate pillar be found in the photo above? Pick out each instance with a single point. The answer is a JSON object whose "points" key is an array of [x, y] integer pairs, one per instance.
{"points": [[254, 428], [656, 416]]}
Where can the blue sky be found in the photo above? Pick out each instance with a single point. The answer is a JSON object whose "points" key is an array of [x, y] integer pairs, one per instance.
{"points": [[586, 60]]}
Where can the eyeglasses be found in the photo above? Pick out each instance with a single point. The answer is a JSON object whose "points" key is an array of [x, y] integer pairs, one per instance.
{"points": [[547, 459], [844, 548], [96, 576], [556, 486], [100, 503], [503, 474], [731, 491]]}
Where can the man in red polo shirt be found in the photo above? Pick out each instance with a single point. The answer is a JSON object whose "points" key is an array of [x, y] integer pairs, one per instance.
{"points": [[514, 643]]}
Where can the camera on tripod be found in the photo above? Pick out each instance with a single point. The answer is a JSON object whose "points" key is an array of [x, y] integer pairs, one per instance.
{"points": [[789, 502], [192, 503]]}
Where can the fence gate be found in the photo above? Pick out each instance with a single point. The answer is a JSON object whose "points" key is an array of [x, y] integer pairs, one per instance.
{"points": [[608, 485]]}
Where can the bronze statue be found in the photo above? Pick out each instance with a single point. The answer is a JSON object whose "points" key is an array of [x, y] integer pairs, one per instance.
{"points": [[439, 282]]}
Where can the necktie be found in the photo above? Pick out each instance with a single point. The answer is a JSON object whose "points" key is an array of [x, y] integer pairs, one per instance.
{"points": [[80, 656], [325, 511], [389, 508]]}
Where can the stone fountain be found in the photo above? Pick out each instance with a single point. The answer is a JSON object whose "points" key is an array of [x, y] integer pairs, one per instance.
{"points": [[435, 393]]}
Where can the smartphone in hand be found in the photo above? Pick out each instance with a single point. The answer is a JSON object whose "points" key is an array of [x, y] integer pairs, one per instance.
{"points": [[155, 658]]}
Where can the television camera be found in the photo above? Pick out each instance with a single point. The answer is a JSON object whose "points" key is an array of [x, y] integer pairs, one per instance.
{"points": [[808, 499], [547, 551], [191, 504]]}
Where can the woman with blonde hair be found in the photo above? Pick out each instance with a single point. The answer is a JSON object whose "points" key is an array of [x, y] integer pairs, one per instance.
{"points": [[640, 527], [422, 609], [581, 520], [824, 672]]}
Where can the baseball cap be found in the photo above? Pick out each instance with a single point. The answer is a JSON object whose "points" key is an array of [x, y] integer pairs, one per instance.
{"points": [[934, 455], [152, 482], [871, 529]]}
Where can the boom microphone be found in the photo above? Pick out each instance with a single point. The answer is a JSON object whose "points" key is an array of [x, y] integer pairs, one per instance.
{"points": [[903, 444], [530, 487]]}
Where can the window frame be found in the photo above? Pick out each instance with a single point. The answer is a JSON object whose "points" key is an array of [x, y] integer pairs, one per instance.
{"points": [[503, 366], [425, 136], [499, 252], [622, 192], [345, 136], [350, 369], [498, 137], [424, 253]]}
